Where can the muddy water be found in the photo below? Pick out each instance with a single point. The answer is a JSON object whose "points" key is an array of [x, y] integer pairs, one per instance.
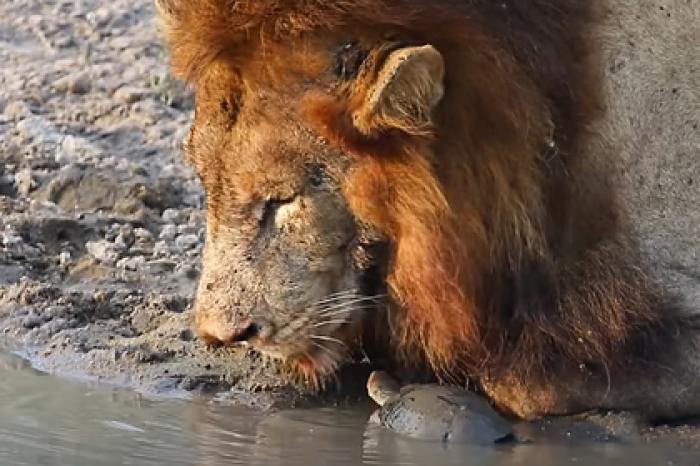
{"points": [[45, 420]]}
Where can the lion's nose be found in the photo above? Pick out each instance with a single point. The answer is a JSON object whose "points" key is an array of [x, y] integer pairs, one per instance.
{"points": [[230, 333]]}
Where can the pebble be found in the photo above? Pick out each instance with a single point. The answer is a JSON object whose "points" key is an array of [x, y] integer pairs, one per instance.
{"points": [[172, 216], [168, 232], [143, 236], [64, 259], [10, 238], [14, 243], [75, 149], [17, 110], [126, 237], [112, 232], [33, 321], [162, 249], [170, 171], [186, 242], [187, 229], [77, 83], [130, 94], [141, 320], [100, 17], [104, 251], [25, 182], [135, 263], [38, 130], [161, 266]]}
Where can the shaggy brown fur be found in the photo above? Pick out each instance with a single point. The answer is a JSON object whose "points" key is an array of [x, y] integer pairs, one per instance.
{"points": [[511, 264]]}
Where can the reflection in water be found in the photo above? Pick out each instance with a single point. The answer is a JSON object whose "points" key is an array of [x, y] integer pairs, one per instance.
{"points": [[298, 437], [51, 421]]}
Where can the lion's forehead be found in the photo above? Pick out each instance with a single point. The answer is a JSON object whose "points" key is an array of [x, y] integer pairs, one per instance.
{"points": [[271, 151]]}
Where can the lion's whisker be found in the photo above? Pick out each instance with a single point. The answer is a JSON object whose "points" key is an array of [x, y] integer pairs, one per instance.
{"points": [[346, 299], [335, 355], [328, 338], [328, 322], [347, 310], [337, 296], [325, 349], [331, 309], [350, 302], [333, 300]]}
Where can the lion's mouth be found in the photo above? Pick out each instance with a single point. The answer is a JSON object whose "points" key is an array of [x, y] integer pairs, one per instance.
{"points": [[314, 342], [315, 359], [318, 364], [304, 348], [316, 347]]}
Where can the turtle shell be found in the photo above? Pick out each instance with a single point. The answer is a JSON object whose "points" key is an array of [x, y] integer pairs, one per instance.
{"points": [[451, 414]]}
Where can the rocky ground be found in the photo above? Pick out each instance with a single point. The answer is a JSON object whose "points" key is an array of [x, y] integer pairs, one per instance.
{"points": [[101, 223]]}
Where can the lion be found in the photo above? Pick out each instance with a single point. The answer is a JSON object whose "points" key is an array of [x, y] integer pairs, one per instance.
{"points": [[422, 178]]}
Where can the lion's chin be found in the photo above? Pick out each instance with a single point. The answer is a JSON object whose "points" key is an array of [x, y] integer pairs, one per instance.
{"points": [[315, 367]]}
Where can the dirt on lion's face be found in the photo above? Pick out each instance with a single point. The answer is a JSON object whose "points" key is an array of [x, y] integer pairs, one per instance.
{"points": [[287, 268]]}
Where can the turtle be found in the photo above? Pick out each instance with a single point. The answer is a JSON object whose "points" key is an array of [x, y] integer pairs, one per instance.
{"points": [[436, 412]]}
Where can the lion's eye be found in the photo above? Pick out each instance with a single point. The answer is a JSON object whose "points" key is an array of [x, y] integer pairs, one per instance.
{"points": [[269, 211]]}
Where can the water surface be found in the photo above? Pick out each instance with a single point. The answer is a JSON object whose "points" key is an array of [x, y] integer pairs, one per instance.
{"points": [[46, 420]]}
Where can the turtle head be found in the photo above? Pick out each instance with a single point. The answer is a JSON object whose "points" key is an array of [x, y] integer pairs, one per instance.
{"points": [[381, 387]]}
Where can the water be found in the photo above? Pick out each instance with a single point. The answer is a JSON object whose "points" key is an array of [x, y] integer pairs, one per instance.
{"points": [[45, 420]]}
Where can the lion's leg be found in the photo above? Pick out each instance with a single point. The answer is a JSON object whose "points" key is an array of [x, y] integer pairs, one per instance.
{"points": [[661, 390], [608, 338]]}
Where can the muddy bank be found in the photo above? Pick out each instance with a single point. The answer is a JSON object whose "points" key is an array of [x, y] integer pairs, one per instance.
{"points": [[130, 337], [101, 223]]}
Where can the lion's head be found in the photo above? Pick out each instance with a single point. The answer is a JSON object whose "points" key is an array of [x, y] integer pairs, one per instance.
{"points": [[294, 256], [368, 155], [289, 269]]}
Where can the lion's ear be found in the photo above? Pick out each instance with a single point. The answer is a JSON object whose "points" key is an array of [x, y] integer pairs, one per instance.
{"points": [[167, 11], [408, 87]]}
